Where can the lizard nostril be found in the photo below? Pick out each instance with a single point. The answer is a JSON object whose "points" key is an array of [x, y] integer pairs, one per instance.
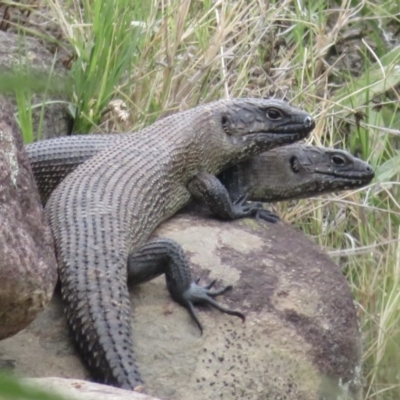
{"points": [[309, 121], [370, 171]]}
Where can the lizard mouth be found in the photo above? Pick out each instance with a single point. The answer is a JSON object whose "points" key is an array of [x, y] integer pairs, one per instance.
{"points": [[291, 132], [348, 180], [279, 137], [294, 131], [270, 140]]}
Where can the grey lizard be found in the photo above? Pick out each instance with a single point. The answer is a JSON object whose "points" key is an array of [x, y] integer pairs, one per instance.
{"points": [[106, 209], [289, 172]]}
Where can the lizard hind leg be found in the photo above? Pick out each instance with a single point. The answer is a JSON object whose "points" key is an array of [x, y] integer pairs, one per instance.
{"points": [[165, 256]]}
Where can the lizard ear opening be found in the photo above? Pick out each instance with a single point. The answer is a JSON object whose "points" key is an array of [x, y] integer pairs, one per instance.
{"points": [[294, 164], [225, 125]]}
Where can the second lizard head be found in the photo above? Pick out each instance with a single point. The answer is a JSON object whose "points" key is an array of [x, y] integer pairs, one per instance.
{"points": [[298, 171]]}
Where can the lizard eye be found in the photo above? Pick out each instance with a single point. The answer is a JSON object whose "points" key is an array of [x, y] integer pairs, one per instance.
{"points": [[338, 160], [274, 114], [295, 165]]}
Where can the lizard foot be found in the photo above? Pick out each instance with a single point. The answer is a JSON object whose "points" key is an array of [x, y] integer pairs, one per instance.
{"points": [[244, 208], [197, 294]]}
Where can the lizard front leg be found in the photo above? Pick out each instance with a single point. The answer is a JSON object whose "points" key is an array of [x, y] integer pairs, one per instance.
{"points": [[165, 256], [208, 189]]}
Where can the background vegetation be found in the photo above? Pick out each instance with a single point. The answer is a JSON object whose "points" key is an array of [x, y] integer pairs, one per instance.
{"points": [[132, 62]]}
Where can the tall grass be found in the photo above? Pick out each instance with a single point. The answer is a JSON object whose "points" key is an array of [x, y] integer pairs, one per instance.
{"points": [[136, 61]]}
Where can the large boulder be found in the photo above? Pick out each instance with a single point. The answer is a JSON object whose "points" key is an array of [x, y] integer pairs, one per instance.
{"points": [[301, 338], [28, 268]]}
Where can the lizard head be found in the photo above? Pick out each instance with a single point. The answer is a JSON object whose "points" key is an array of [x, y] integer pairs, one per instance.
{"points": [[258, 125], [299, 171], [332, 169]]}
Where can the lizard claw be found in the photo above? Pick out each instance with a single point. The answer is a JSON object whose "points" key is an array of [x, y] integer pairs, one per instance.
{"points": [[268, 216], [202, 294], [243, 208]]}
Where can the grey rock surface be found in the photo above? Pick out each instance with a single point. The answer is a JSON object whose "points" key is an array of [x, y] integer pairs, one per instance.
{"points": [[301, 339], [23, 50], [33, 18], [77, 389], [28, 269]]}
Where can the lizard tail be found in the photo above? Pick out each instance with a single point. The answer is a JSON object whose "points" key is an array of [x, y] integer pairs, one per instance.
{"points": [[100, 320]]}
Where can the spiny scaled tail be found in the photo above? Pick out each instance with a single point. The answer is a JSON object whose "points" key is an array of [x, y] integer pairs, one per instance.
{"points": [[102, 330]]}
